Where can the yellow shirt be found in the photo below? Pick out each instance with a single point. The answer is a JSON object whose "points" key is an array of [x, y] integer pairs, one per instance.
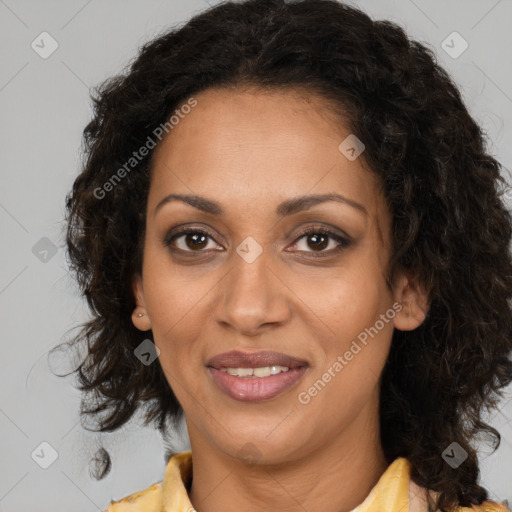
{"points": [[394, 492]]}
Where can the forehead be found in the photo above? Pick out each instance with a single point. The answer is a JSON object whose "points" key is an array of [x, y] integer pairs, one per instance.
{"points": [[248, 148]]}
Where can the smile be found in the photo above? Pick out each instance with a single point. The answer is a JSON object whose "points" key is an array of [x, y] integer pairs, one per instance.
{"points": [[263, 371], [243, 385]]}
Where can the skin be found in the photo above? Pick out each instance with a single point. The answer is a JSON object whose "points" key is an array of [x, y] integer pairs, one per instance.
{"points": [[250, 150]]}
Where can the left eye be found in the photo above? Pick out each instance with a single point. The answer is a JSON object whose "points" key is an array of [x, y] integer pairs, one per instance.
{"points": [[320, 240]]}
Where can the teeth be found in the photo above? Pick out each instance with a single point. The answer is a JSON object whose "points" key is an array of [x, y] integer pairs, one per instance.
{"points": [[264, 371]]}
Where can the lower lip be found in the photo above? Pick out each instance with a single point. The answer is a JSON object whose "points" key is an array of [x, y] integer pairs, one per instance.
{"points": [[249, 389]]}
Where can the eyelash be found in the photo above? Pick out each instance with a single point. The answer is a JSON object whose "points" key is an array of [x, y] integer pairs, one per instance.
{"points": [[342, 241]]}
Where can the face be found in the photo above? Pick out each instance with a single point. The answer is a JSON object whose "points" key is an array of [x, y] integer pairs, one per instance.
{"points": [[250, 277]]}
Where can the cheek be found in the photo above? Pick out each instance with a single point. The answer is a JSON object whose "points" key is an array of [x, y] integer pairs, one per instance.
{"points": [[358, 314], [178, 307], [177, 317], [348, 372], [356, 298], [352, 363]]}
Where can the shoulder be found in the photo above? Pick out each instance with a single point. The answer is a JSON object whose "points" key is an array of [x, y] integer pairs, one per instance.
{"points": [[418, 502], [486, 506], [148, 500], [170, 494]]}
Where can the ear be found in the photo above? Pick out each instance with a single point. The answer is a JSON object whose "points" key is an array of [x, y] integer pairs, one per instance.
{"points": [[140, 317], [413, 299]]}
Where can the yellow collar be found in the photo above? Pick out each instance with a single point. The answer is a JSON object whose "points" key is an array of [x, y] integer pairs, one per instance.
{"points": [[390, 493], [394, 492]]}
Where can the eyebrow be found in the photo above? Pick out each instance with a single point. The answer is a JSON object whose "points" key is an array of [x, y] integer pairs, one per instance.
{"points": [[288, 207]]}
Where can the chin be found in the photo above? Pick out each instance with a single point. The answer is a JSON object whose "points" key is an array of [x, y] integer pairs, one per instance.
{"points": [[258, 444]]}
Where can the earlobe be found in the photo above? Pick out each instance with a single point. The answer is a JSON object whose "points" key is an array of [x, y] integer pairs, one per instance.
{"points": [[414, 301], [140, 316]]}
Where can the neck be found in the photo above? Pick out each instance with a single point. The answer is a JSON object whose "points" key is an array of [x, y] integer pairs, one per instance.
{"points": [[333, 478]]}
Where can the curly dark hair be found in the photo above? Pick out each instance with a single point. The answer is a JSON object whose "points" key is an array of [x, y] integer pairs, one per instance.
{"points": [[450, 226]]}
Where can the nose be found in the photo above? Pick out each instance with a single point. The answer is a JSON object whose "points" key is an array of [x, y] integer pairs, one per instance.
{"points": [[253, 297]]}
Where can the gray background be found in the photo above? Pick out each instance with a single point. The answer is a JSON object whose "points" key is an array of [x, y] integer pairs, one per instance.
{"points": [[44, 105]]}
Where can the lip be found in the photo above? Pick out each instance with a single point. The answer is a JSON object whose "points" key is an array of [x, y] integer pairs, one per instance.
{"points": [[237, 359], [250, 389], [247, 389]]}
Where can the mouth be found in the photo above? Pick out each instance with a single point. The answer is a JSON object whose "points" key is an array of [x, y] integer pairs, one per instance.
{"points": [[257, 376]]}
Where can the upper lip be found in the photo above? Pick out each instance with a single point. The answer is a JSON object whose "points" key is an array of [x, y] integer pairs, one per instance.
{"points": [[237, 359]]}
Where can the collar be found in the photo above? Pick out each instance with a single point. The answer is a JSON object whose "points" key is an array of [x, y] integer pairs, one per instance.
{"points": [[391, 493], [394, 492]]}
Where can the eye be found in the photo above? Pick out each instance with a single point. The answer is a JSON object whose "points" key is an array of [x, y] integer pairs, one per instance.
{"points": [[320, 238], [189, 240]]}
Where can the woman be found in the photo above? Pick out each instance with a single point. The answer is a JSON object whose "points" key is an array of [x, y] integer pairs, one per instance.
{"points": [[288, 228]]}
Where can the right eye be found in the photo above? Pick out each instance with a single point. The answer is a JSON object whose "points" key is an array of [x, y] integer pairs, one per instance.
{"points": [[189, 240]]}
